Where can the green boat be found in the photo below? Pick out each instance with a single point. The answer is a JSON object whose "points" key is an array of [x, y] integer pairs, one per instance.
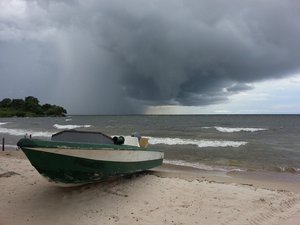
{"points": [[74, 157]]}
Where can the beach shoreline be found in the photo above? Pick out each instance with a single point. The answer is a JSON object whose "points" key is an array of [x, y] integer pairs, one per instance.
{"points": [[165, 195], [259, 179]]}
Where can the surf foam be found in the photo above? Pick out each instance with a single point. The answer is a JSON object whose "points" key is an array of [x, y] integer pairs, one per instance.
{"points": [[287, 169], [69, 127], [199, 143], [200, 166], [23, 132], [238, 129], [8, 146]]}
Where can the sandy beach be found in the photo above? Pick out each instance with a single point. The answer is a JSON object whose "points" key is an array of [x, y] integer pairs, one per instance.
{"points": [[162, 196]]}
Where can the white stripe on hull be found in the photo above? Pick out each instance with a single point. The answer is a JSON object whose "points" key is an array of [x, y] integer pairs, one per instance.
{"points": [[106, 154]]}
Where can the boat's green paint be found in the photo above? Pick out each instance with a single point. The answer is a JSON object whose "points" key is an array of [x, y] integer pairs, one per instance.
{"points": [[67, 169]]}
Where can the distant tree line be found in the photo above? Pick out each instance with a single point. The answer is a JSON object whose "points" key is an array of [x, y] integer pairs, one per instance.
{"points": [[29, 107]]}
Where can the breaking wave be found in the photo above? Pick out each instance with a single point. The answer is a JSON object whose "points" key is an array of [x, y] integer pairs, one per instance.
{"points": [[199, 143], [22, 132], [69, 127], [286, 169], [237, 129], [8, 147], [200, 166]]}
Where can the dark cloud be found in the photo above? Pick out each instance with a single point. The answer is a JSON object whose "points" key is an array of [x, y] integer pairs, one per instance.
{"points": [[239, 87], [122, 56]]}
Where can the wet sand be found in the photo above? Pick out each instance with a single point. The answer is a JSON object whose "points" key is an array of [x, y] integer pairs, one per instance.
{"points": [[166, 195]]}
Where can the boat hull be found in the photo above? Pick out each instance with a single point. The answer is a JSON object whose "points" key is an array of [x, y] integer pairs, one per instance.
{"points": [[72, 163]]}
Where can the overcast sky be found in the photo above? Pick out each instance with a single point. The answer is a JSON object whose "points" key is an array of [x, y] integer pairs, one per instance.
{"points": [[153, 56]]}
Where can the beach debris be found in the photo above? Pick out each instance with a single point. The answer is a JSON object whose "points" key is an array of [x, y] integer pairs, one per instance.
{"points": [[9, 174]]}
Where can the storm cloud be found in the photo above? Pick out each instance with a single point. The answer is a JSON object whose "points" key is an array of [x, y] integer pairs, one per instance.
{"points": [[123, 56]]}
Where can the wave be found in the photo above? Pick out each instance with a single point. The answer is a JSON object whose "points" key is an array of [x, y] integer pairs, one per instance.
{"points": [[238, 129], [23, 132], [201, 166], [8, 147], [69, 127], [286, 169], [199, 143]]}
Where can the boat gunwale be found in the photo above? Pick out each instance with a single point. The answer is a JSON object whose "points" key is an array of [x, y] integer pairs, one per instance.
{"points": [[32, 143]]}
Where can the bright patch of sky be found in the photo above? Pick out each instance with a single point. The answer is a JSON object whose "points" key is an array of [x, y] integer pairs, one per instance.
{"points": [[280, 96]]}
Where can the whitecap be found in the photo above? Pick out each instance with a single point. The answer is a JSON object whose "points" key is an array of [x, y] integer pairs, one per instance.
{"points": [[23, 132], [238, 129], [69, 127], [199, 143]]}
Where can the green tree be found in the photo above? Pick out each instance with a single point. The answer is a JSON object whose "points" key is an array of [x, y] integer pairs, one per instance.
{"points": [[5, 102], [17, 104], [46, 107], [31, 100], [31, 104], [29, 107], [56, 111]]}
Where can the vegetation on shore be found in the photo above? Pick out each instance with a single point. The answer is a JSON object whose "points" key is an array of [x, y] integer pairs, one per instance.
{"points": [[29, 107]]}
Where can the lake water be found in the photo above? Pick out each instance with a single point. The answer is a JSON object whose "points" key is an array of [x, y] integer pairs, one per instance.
{"points": [[210, 142]]}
